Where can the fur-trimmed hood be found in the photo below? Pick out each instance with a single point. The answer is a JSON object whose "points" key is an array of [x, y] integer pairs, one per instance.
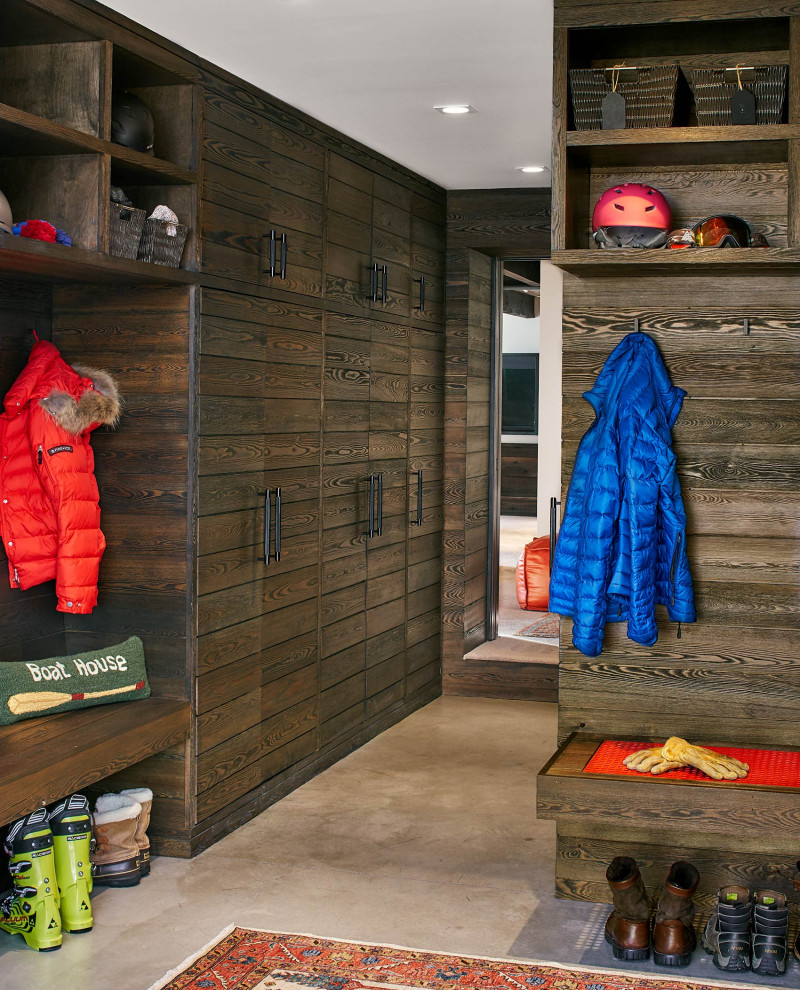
{"points": [[99, 405], [77, 398]]}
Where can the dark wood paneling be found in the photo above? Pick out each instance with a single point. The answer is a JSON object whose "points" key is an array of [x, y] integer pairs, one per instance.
{"points": [[727, 677], [41, 764], [466, 449], [502, 679], [518, 474], [501, 222], [255, 365]]}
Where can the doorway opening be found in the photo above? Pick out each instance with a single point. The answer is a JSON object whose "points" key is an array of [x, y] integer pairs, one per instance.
{"points": [[519, 628]]}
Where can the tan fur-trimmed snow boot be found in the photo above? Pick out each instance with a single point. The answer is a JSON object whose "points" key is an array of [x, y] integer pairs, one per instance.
{"points": [[145, 798], [628, 925], [115, 860]]}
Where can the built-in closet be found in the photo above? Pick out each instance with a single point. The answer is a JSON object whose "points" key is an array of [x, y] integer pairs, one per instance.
{"points": [[272, 499]]}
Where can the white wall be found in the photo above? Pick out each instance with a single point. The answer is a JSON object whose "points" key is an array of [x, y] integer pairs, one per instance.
{"points": [[549, 477], [520, 336]]}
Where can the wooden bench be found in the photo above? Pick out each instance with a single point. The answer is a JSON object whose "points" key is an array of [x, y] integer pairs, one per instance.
{"points": [[743, 834], [44, 759]]}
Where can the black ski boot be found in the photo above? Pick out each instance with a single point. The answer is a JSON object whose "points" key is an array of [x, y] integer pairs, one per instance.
{"points": [[727, 934], [770, 933]]}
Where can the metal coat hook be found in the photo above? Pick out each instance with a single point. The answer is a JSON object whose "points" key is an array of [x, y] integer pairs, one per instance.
{"points": [[636, 327], [746, 327]]}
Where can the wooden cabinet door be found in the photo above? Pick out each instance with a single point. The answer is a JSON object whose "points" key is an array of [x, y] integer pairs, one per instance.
{"points": [[427, 262], [348, 236], [259, 407], [387, 549], [345, 472], [235, 190], [263, 190], [297, 180], [391, 246], [425, 514]]}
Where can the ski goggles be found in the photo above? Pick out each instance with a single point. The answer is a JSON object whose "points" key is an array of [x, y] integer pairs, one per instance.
{"points": [[722, 231]]}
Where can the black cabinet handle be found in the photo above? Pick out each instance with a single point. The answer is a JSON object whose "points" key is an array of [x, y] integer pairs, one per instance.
{"points": [[421, 281], [418, 520], [277, 524], [384, 286], [267, 495], [284, 251], [371, 527], [272, 241], [373, 282], [379, 529], [554, 503]]}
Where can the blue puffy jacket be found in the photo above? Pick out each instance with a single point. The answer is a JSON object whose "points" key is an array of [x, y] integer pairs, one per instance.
{"points": [[622, 545]]}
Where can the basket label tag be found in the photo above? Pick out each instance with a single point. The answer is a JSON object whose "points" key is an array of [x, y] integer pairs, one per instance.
{"points": [[743, 107], [612, 110]]}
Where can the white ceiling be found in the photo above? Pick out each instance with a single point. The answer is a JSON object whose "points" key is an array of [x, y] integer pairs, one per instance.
{"points": [[375, 68]]}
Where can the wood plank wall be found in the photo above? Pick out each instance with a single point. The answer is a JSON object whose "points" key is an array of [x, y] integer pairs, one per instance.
{"points": [[466, 491], [733, 675], [481, 224], [141, 336]]}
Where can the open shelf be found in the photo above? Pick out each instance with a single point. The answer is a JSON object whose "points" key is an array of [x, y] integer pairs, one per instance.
{"points": [[764, 143], [24, 135], [688, 261], [36, 259]]}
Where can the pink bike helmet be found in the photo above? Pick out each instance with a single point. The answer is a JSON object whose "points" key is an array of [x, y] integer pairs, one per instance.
{"points": [[632, 205], [631, 215]]}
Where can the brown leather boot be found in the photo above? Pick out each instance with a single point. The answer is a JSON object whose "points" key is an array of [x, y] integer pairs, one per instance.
{"points": [[145, 798], [674, 937], [628, 925], [115, 860]]}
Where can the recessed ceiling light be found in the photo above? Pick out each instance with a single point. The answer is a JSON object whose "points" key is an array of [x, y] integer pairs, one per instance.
{"points": [[456, 108], [531, 168]]}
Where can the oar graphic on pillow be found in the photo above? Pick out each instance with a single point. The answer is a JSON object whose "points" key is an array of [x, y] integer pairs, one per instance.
{"points": [[41, 701]]}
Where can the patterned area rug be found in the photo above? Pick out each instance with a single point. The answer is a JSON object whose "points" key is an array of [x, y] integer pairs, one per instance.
{"points": [[545, 627], [246, 959]]}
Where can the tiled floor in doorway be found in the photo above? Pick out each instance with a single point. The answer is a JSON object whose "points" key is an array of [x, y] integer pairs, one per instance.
{"points": [[425, 837]]}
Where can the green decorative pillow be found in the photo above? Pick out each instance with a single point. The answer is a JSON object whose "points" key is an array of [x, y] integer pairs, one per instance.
{"points": [[96, 677]]}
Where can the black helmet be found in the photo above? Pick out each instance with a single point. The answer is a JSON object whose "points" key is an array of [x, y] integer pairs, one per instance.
{"points": [[132, 123]]}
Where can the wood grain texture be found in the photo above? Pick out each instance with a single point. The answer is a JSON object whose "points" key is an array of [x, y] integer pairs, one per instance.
{"points": [[235, 378], [499, 221], [466, 380], [41, 765], [500, 679], [729, 676]]}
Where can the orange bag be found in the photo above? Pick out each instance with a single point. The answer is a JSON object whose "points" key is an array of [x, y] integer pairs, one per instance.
{"points": [[533, 575]]}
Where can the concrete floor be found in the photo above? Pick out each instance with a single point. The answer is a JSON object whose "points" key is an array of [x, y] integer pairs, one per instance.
{"points": [[426, 837]]}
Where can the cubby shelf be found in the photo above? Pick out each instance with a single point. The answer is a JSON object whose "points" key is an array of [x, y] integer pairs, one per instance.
{"points": [[700, 261], [24, 134], [54, 262], [680, 145]]}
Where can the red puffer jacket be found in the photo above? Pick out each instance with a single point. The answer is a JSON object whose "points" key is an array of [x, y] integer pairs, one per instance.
{"points": [[49, 508]]}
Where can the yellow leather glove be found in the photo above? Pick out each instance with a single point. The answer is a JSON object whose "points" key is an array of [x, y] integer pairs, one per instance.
{"points": [[651, 761], [706, 760]]}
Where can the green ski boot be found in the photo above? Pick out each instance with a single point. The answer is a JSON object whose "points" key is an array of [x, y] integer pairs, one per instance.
{"points": [[31, 909], [72, 836]]}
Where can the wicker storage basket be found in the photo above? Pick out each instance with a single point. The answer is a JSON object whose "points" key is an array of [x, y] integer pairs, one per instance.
{"points": [[162, 242], [712, 94], [649, 100], [125, 229]]}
